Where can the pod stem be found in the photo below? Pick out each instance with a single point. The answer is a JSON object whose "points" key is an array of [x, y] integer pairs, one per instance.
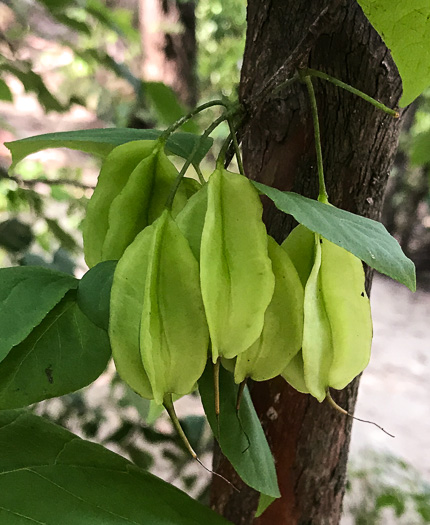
{"points": [[322, 197], [168, 405], [238, 402], [333, 403], [222, 153], [233, 131], [216, 394], [178, 123], [190, 159], [240, 394], [355, 91]]}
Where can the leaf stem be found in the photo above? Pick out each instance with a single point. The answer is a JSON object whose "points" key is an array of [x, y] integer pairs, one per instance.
{"points": [[355, 91], [322, 197]]}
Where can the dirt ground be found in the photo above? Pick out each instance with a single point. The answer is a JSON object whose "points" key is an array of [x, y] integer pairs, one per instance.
{"points": [[395, 388]]}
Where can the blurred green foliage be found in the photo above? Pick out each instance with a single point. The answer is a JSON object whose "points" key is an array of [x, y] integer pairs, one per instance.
{"points": [[384, 489]]}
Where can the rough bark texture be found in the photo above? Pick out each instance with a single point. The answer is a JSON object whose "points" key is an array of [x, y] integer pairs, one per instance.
{"points": [[168, 30], [310, 440]]}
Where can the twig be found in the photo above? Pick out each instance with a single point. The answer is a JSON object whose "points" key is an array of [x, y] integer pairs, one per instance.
{"points": [[48, 182]]}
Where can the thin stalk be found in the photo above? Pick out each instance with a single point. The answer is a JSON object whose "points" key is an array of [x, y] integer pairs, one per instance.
{"points": [[216, 394], [222, 153], [200, 174], [323, 197], [240, 394], [355, 91], [236, 146], [285, 84], [333, 403], [238, 402], [168, 405], [190, 159], [165, 135]]}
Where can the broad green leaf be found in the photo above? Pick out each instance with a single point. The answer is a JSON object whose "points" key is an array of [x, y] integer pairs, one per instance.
{"points": [[94, 293], [50, 476], [101, 142], [5, 92], [166, 105], [64, 353], [366, 239], [405, 28], [251, 459], [27, 294]]}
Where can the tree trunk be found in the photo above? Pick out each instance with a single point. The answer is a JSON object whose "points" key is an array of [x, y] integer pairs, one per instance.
{"points": [[310, 440], [168, 29]]}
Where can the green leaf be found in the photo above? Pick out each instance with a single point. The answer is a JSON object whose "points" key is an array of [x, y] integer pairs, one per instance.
{"points": [[420, 149], [263, 504], [27, 294], [251, 459], [50, 476], [366, 239], [64, 353], [63, 237], [166, 105], [33, 82], [102, 141], [405, 29], [76, 25], [5, 92], [94, 293]]}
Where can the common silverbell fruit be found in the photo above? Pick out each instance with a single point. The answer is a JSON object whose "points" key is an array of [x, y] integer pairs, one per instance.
{"points": [[236, 276], [337, 331], [134, 183], [158, 329], [281, 337]]}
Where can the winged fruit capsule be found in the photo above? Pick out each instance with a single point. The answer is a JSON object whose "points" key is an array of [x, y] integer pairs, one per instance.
{"points": [[236, 276], [337, 331], [134, 183], [158, 328], [281, 337]]}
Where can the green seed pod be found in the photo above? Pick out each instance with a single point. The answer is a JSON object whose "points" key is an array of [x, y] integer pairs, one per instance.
{"points": [[236, 275], [174, 336], [337, 331], [141, 202], [294, 374], [191, 219], [126, 304], [114, 175], [281, 337], [134, 184]]}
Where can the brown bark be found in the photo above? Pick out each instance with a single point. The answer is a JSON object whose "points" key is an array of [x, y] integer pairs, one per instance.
{"points": [[310, 440], [169, 45]]}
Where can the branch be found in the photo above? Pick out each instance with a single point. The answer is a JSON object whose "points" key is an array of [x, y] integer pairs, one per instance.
{"points": [[324, 21], [49, 182]]}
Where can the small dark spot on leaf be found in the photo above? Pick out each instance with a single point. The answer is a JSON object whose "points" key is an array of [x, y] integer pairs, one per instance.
{"points": [[362, 294], [48, 372], [320, 241]]}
